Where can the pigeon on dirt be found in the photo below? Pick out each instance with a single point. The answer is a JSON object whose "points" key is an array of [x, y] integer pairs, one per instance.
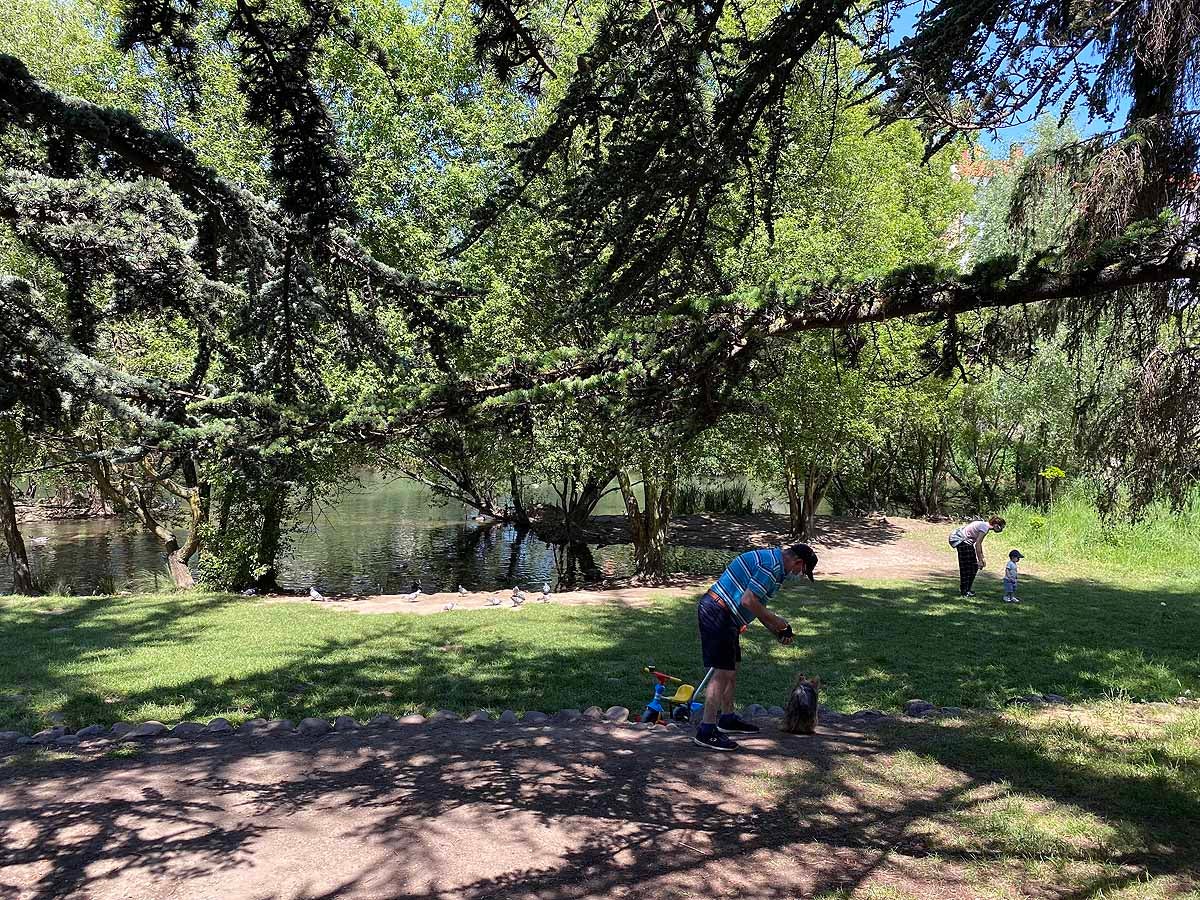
{"points": [[494, 601], [545, 598], [449, 606], [518, 596], [462, 591], [314, 594], [414, 595]]}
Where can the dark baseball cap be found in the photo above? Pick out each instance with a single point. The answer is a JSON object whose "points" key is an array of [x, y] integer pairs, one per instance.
{"points": [[805, 552], [1017, 553]]}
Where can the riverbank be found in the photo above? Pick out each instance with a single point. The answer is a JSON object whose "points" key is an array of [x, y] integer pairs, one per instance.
{"points": [[29, 513], [875, 549]]}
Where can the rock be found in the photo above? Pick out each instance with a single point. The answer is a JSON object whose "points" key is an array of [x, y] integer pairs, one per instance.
{"points": [[593, 712], [917, 707], [480, 715], [413, 719], [251, 727], [49, 735], [314, 727], [508, 717], [67, 740], [146, 730], [777, 711], [345, 723], [187, 729], [121, 728], [383, 720], [14, 698], [170, 742], [219, 726], [616, 714], [57, 718], [534, 717], [1055, 698], [444, 715], [952, 712], [25, 741], [567, 715], [10, 737], [91, 731], [279, 726]]}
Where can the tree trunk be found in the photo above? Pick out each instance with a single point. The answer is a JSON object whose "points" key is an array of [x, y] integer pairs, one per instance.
{"points": [[269, 539], [791, 477], [520, 515], [176, 564], [650, 527], [178, 567], [572, 561], [18, 561], [810, 504]]}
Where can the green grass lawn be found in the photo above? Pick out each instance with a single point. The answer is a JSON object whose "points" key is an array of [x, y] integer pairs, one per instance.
{"points": [[1099, 801], [875, 644], [1095, 802]]}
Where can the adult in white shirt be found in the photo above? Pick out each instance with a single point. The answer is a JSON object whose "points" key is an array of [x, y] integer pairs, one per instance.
{"points": [[968, 541]]}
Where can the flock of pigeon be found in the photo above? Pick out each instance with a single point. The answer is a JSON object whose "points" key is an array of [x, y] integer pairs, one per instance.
{"points": [[517, 597]]}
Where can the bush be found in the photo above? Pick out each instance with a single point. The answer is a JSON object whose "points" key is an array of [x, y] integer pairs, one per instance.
{"points": [[688, 499], [691, 498], [728, 498]]}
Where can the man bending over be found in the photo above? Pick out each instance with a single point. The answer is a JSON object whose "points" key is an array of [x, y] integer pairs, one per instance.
{"points": [[738, 598]]}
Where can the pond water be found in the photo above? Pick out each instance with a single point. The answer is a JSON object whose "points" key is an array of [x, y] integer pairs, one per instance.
{"points": [[379, 538]]}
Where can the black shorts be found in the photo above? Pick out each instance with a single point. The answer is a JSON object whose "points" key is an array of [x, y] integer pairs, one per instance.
{"points": [[720, 643]]}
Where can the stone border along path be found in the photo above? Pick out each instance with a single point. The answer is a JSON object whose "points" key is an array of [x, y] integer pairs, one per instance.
{"points": [[128, 733]]}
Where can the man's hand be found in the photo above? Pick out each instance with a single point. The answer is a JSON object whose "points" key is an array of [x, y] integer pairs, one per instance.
{"points": [[785, 635]]}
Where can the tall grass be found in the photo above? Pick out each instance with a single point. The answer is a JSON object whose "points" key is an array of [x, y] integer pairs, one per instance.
{"points": [[1072, 531], [691, 498]]}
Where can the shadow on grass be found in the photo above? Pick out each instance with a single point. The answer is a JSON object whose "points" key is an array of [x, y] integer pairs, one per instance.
{"points": [[628, 814]]}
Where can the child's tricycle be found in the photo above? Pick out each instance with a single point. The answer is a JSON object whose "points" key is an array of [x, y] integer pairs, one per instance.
{"points": [[680, 706]]}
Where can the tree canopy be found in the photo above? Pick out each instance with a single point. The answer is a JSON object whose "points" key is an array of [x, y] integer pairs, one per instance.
{"points": [[347, 226]]}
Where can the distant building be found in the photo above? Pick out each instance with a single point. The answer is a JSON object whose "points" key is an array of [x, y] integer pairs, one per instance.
{"points": [[979, 169]]}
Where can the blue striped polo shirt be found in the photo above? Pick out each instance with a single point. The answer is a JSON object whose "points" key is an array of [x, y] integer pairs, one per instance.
{"points": [[760, 571]]}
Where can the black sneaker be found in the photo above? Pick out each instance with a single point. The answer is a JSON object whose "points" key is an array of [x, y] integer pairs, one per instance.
{"points": [[735, 725], [714, 741]]}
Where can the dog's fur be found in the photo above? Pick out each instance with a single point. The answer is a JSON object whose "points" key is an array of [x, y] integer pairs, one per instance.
{"points": [[800, 711]]}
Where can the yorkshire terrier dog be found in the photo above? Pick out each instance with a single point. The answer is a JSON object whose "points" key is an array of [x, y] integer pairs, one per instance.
{"points": [[800, 711]]}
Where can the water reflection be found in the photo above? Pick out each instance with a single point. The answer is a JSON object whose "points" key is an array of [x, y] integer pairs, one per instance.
{"points": [[379, 539]]}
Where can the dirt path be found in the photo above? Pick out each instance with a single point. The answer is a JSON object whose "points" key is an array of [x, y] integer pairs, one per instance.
{"points": [[440, 811], [877, 548]]}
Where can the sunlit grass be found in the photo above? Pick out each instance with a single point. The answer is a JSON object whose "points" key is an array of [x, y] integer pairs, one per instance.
{"points": [[1101, 800], [874, 644]]}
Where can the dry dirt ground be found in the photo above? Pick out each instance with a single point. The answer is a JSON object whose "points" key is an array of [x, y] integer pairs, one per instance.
{"points": [[876, 548], [454, 810]]}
